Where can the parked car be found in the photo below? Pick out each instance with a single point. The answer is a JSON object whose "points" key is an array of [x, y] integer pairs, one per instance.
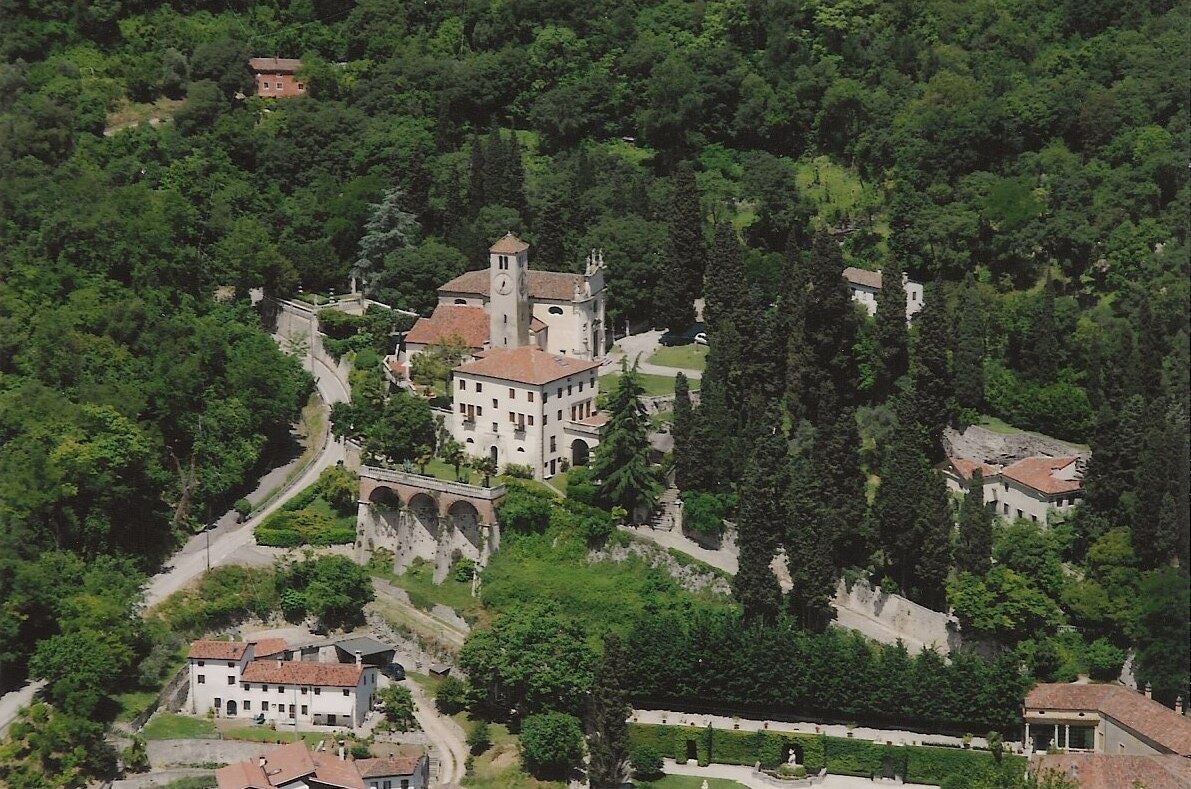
{"points": [[701, 338], [259, 718], [394, 671]]}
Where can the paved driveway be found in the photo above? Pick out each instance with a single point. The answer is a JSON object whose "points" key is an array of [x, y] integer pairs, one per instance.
{"points": [[640, 347]]}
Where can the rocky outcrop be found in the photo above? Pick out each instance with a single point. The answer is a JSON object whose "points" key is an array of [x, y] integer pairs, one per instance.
{"points": [[1001, 449]]}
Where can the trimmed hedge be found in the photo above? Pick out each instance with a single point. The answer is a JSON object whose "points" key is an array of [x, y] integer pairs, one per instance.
{"points": [[841, 755]]}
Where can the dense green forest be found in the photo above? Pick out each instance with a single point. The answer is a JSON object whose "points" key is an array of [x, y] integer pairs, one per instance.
{"points": [[1028, 160]]}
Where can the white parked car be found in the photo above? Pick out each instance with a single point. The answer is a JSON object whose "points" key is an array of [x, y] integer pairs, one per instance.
{"points": [[701, 338]]}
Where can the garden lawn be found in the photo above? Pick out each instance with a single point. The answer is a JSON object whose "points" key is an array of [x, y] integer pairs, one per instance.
{"points": [[686, 357], [652, 384], [133, 702], [169, 726], [499, 767]]}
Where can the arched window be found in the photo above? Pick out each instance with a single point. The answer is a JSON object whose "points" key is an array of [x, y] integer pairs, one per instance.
{"points": [[460, 301], [555, 310]]}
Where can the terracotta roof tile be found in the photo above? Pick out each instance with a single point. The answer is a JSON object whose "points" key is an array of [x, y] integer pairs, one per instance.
{"points": [[275, 65], [597, 419], [298, 672], [330, 770], [217, 650], [859, 276], [242, 775], [508, 244], [452, 320], [546, 285], [965, 466], [537, 324], [1113, 771], [389, 765], [1039, 474], [527, 365], [269, 646], [1145, 716]]}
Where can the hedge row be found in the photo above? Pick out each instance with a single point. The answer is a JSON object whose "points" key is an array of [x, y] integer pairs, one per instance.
{"points": [[841, 756]]}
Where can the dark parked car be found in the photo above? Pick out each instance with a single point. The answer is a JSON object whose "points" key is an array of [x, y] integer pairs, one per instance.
{"points": [[394, 671]]}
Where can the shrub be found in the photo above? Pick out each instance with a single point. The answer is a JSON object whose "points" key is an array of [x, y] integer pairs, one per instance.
{"points": [[1104, 660], [451, 696], [136, 755], [463, 570], [703, 513], [580, 486], [360, 750], [479, 739], [551, 745], [524, 511], [399, 707], [646, 761], [243, 508], [518, 471]]}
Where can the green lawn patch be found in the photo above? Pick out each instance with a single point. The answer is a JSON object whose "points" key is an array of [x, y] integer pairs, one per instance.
{"points": [[686, 357], [133, 702], [313, 517], [170, 726], [997, 425], [265, 734], [418, 583], [652, 384], [194, 782]]}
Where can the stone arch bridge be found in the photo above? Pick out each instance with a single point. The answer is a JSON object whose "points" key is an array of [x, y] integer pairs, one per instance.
{"points": [[419, 517]]}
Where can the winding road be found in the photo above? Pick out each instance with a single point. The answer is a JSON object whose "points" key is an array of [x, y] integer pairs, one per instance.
{"points": [[190, 561], [446, 735]]}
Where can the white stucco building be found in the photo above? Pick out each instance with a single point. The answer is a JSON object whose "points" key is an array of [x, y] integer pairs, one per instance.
{"points": [[864, 286], [558, 312], [237, 679], [1033, 488]]}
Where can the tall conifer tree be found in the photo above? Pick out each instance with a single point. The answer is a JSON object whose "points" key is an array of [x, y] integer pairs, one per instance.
{"points": [[793, 304], [893, 352], [608, 742], [969, 347], [830, 380], [933, 385], [685, 460], [477, 191], [621, 462], [1042, 344], [809, 549], [686, 256], [836, 455], [762, 516], [974, 550]]}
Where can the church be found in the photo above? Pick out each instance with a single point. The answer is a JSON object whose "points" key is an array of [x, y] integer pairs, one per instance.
{"points": [[527, 394], [564, 312]]}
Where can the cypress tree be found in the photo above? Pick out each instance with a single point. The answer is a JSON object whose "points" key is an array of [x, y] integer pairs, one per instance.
{"points": [[893, 353], [974, 549], [1155, 537], [684, 459], [1150, 351], [621, 462], [896, 507], [935, 528], [835, 452], [552, 225], [608, 743], [830, 380], [514, 173], [761, 516], [930, 368], [792, 308], [809, 550], [726, 305], [686, 256], [969, 347]]}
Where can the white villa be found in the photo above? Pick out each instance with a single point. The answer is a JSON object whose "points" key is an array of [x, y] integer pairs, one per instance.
{"points": [[557, 312], [1033, 488], [865, 285], [243, 679]]}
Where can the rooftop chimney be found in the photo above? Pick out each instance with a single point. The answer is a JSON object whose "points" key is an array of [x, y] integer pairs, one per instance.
{"points": [[260, 761], [1149, 691], [1178, 706], [342, 757], [359, 658]]}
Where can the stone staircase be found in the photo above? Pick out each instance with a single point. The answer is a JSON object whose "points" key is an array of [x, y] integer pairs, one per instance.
{"points": [[665, 515]]}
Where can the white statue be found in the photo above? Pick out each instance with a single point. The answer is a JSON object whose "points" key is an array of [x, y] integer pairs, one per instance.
{"points": [[793, 758]]}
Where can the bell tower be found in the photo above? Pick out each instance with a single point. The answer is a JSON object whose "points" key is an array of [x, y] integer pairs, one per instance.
{"points": [[508, 293]]}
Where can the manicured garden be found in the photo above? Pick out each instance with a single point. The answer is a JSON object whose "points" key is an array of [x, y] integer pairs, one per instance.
{"points": [[322, 514]]}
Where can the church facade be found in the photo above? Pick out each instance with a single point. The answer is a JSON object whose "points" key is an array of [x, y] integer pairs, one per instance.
{"points": [[563, 313]]}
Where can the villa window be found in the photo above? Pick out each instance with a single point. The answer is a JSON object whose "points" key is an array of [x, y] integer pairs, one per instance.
{"points": [[346, 692], [230, 664], [462, 385], [202, 679], [264, 706], [247, 705], [318, 691], [231, 680], [555, 310], [530, 396], [304, 709], [304, 691], [512, 394], [201, 663]]}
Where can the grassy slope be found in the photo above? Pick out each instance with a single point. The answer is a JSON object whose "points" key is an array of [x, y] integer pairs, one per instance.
{"points": [[168, 726]]}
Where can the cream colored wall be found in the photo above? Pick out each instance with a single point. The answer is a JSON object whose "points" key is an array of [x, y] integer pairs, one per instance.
{"points": [[534, 441], [215, 685], [1032, 504]]}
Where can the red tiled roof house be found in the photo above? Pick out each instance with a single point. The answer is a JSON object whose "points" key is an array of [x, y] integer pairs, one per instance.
{"points": [[277, 78]]}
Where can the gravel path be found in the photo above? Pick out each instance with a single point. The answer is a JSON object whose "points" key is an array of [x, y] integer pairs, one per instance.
{"points": [[640, 347], [445, 734], [164, 754]]}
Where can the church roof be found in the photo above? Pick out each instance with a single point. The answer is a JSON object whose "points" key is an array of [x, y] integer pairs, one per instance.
{"points": [[544, 285], [509, 244], [527, 365], [452, 320]]}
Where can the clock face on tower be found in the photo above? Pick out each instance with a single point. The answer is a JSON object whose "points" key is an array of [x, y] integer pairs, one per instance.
{"points": [[504, 285]]}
